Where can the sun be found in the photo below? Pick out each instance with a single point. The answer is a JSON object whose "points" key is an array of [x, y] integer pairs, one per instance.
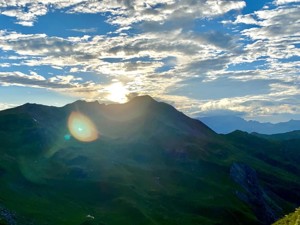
{"points": [[117, 92]]}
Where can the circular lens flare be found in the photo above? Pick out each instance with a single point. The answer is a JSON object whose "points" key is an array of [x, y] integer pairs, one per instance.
{"points": [[82, 128]]}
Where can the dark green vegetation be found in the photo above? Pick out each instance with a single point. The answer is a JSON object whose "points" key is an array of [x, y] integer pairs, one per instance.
{"points": [[281, 137], [290, 219], [151, 165]]}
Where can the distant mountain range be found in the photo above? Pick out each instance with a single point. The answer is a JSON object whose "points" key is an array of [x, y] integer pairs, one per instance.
{"points": [[228, 124], [147, 164]]}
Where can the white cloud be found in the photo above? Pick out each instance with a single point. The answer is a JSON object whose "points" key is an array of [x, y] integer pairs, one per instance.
{"points": [[85, 30], [65, 84], [281, 2], [248, 106], [246, 19], [253, 106], [276, 24], [4, 106], [27, 11], [17, 74], [64, 79], [274, 38], [124, 13], [140, 61], [35, 80], [26, 14], [141, 54]]}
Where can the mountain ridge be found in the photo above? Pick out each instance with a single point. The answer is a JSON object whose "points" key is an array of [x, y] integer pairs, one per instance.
{"points": [[228, 124], [149, 162]]}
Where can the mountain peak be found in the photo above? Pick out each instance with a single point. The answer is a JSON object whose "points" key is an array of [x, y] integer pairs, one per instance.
{"points": [[142, 98], [84, 102], [136, 99]]}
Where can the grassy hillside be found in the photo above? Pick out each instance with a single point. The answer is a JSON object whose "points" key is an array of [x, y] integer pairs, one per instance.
{"points": [[151, 165], [290, 219]]}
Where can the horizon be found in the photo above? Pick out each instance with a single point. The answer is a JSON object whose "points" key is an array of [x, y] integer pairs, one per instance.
{"points": [[109, 103], [203, 57]]}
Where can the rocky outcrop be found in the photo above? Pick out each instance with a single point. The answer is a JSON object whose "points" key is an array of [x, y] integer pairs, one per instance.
{"points": [[253, 193], [8, 216]]}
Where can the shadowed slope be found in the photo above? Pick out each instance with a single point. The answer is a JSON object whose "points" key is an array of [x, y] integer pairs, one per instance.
{"points": [[149, 163]]}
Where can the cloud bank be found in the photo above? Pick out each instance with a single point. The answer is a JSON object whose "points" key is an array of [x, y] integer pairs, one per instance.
{"points": [[162, 48]]}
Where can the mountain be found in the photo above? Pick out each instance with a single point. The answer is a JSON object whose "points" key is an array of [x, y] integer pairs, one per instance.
{"points": [[146, 164], [281, 137], [228, 124]]}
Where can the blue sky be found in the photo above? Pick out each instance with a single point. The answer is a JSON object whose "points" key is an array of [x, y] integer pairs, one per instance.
{"points": [[203, 56]]}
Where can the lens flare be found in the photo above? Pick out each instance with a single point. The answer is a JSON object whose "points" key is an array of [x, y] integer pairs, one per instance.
{"points": [[82, 128]]}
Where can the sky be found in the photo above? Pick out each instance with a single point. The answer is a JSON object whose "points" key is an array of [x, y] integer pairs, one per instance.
{"points": [[205, 57]]}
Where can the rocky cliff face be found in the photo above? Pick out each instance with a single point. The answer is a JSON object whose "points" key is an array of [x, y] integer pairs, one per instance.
{"points": [[254, 194]]}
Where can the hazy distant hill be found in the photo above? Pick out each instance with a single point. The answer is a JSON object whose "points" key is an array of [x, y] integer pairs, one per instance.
{"points": [[227, 124], [150, 165]]}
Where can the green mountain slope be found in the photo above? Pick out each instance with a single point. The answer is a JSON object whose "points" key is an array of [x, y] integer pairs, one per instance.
{"points": [[281, 137], [150, 165]]}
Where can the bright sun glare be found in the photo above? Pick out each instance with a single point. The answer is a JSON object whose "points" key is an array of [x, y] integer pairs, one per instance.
{"points": [[117, 92]]}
